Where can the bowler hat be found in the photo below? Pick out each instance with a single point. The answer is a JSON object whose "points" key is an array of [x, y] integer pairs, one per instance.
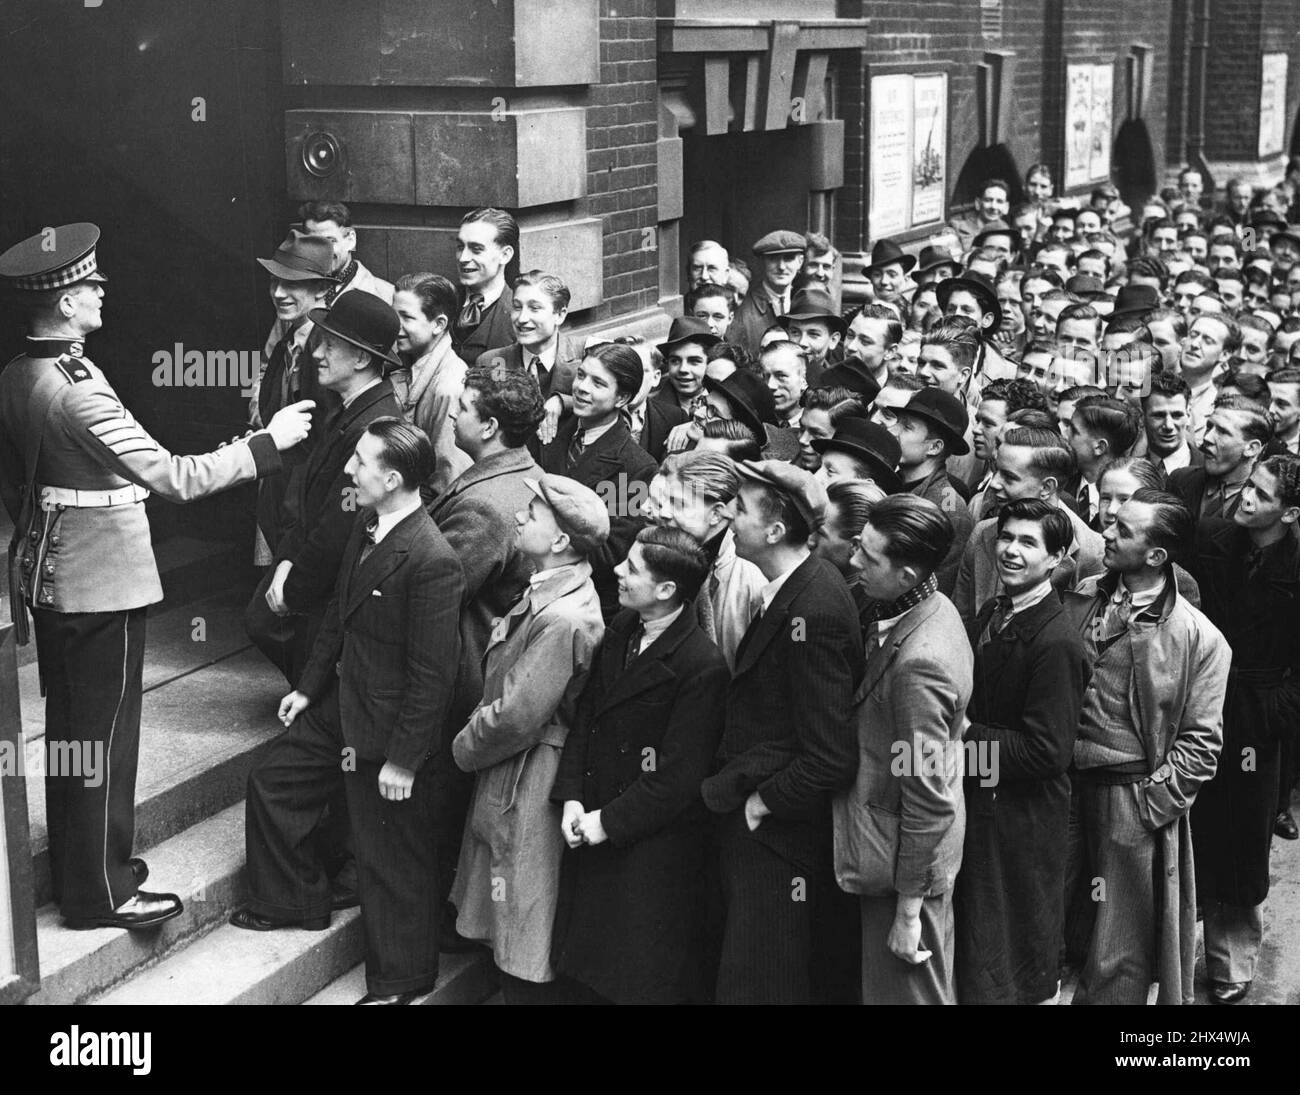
{"points": [[980, 287], [869, 442], [364, 320], [688, 329], [807, 494], [1261, 217], [302, 257], [814, 302], [886, 252], [578, 510], [933, 257], [851, 373], [781, 242], [1133, 300], [752, 404], [946, 413]]}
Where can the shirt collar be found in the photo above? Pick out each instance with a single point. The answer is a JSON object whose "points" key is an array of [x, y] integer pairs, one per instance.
{"points": [[1181, 457], [654, 628], [1030, 597], [1139, 601], [353, 397], [768, 592], [590, 437], [386, 522]]}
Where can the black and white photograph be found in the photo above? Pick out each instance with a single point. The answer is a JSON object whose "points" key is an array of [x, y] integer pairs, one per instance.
{"points": [[713, 502]]}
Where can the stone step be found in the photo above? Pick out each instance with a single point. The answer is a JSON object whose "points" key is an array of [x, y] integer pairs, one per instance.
{"points": [[200, 736], [462, 979], [233, 966], [204, 865]]}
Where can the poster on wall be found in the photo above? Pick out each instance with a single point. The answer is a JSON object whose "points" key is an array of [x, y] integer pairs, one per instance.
{"points": [[908, 152], [1089, 107], [1272, 104]]}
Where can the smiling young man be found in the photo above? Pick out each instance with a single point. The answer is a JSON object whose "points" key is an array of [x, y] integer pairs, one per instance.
{"points": [[813, 324], [1030, 673], [685, 354], [992, 203], [486, 242], [873, 335]]}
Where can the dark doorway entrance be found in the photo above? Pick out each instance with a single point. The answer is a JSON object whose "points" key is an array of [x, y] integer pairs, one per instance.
{"points": [[1135, 163]]}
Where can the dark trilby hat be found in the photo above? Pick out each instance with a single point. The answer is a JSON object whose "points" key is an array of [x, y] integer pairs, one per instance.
{"points": [[814, 302], [998, 228], [933, 257], [1135, 299], [751, 402], [851, 373], [979, 286], [688, 329], [364, 320], [946, 413], [302, 257], [885, 252], [871, 443]]}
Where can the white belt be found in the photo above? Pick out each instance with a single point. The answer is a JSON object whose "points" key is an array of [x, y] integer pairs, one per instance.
{"points": [[54, 497]]}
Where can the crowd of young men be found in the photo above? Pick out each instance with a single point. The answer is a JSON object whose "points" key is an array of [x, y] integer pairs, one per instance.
{"points": [[922, 652]]}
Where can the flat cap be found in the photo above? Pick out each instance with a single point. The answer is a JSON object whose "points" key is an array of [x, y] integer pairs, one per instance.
{"points": [[54, 258], [780, 242], [578, 510], [808, 495]]}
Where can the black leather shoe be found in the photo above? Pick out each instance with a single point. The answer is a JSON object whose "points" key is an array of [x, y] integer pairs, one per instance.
{"points": [[139, 870], [251, 921], [144, 910], [1284, 826], [396, 998], [1228, 992]]}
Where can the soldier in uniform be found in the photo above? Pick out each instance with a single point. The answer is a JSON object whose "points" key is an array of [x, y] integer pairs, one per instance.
{"points": [[75, 469]]}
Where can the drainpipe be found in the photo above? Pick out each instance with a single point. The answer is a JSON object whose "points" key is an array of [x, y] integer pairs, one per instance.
{"points": [[1196, 92]]}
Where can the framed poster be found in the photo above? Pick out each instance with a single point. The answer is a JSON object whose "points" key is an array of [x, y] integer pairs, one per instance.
{"points": [[19, 965], [1272, 104], [1089, 112], [908, 152]]}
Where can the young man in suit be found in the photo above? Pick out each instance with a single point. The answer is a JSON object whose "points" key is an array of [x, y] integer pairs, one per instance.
{"points": [[898, 832], [685, 357], [538, 308], [486, 243], [534, 669], [629, 924], [786, 748], [372, 698], [1029, 677], [594, 447], [349, 360]]}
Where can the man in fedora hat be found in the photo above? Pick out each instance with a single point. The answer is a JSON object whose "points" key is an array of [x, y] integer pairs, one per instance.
{"points": [[813, 323], [780, 255], [685, 358], [860, 450], [932, 427], [887, 271], [935, 265], [1000, 237], [349, 359], [75, 470]]}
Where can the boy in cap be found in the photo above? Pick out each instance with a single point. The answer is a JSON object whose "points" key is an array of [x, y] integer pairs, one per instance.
{"points": [[535, 666], [786, 747], [781, 255]]}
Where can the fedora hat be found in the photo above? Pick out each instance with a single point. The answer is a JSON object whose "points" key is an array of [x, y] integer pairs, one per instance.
{"points": [[869, 442], [946, 413], [979, 286], [814, 302], [851, 373], [886, 252], [364, 320], [751, 403], [302, 257], [1133, 300], [688, 329], [998, 228], [933, 257]]}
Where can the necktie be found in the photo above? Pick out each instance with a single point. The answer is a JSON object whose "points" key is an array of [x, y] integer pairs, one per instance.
{"points": [[575, 448], [367, 548], [1085, 502], [1001, 614], [471, 315], [634, 645], [540, 372]]}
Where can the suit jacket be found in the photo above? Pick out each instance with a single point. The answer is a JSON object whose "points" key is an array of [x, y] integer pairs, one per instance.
{"points": [[789, 730], [660, 418], [392, 630], [613, 467], [900, 829], [558, 382], [319, 507], [494, 329], [476, 514], [628, 923], [1190, 484]]}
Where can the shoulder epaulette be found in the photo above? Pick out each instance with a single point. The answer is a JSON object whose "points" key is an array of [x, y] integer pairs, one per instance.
{"points": [[73, 368]]}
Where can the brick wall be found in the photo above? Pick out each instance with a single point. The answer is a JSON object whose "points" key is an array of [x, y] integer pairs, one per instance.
{"points": [[1233, 79], [622, 128]]}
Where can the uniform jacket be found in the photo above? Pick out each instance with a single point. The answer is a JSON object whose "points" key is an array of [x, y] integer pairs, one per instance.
{"points": [[95, 559], [938, 488], [899, 830], [629, 921], [613, 467], [476, 514], [730, 597], [319, 506], [427, 392], [977, 575], [535, 667], [392, 629], [1180, 676], [1028, 689], [788, 731], [494, 329]]}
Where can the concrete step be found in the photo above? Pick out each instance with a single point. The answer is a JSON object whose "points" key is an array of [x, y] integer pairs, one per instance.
{"points": [[462, 979], [232, 966], [204, 865], [200, 736]]}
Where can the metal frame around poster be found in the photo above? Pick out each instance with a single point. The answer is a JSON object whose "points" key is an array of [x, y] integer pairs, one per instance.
{"points": [[20, 973]]}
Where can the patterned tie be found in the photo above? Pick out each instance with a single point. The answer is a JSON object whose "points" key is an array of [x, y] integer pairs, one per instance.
{"points": [[634, 645], [1001, 614], [576, 448], [471, 315], [367, 549], [540, 372]]}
